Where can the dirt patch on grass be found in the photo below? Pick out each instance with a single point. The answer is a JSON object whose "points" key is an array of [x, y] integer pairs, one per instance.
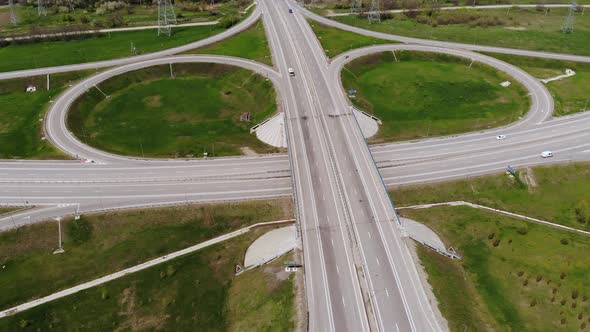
{"points": [[153, 101], [4, 18], [135, 322]]}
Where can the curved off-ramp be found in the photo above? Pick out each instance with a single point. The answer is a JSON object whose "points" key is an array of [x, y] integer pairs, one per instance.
{"points": [[55, 119]]}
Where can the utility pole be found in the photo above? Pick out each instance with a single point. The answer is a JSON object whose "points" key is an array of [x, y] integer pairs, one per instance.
{"points": [[13, 15], [166, 16], [568, 24], [59, 250], [374, 12], [41, 9], [356, 7]]}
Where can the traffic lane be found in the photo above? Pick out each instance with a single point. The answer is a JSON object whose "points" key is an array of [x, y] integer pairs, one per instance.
{"points": [[564, 149], [554, 127], [540, 141], [339, 296], [63, 193]]}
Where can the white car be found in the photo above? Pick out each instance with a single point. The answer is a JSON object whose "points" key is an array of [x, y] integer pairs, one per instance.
{"points": [[500, 137], [547, 154], [291, 72]]}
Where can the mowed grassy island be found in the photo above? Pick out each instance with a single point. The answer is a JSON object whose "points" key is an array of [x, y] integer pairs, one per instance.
{"points": [[150, 114], [427, 94]]}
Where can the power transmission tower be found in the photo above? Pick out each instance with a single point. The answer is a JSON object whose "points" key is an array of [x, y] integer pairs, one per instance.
{"points": [[568, 24], [13, 16], [41, 9], [166, 17], [356, 7], [374, 12]]}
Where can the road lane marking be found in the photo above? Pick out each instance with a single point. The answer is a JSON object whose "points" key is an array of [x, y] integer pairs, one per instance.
{"points": [[370, 237], [379, 264]]}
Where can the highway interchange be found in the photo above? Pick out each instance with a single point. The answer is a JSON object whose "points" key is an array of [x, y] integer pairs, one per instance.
{"points": [[359, 274]]}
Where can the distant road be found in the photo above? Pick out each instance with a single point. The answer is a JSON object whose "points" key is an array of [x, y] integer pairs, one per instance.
{"points": [[145, 27], [397, 11], [243, 25], [410, 40]]}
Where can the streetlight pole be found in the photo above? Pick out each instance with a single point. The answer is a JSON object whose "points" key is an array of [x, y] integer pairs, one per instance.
{"points": [[59, 250]]}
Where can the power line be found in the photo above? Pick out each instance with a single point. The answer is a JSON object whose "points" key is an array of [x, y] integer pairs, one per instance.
{"points": [[13, 15]]}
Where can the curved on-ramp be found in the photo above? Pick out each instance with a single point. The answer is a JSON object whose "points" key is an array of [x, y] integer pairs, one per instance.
{"points": [[55, 119]]}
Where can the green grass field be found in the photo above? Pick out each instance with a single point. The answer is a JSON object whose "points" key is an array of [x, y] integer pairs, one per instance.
{"points": [[8, 209], [514, 276], [572, 94], [129, 15], [110, 46], [549, 193], [249, 44], [195, 292], [516, 28], [336, 41], [149, 114], [21, 114], [427, 94], [97, 245]]}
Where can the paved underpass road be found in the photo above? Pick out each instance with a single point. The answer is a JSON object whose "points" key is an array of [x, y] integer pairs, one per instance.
{"points": [[359, 275]]}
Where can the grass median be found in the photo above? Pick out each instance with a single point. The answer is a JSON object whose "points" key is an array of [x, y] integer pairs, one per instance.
{"points": [[21, 115], [335, 41], [250, 44], [524, 28], [194, 292], [514, 276], [571, 94], [97, 245], [149, 114], [559, 194], [427, 94]]}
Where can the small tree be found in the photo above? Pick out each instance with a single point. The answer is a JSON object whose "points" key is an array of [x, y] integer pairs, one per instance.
{"points": [[582, 211]]}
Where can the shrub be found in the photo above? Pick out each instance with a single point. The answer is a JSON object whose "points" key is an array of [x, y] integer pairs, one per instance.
{"points": [[491, 236], [520, 273], [562, 275], [411, 13], [582, 211], [228, 21], [574, 305], [533, 303], [574, 294], [496, 242], [580, 316], [104, 294], [564, 241], [522, 230], [539, 277]]}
